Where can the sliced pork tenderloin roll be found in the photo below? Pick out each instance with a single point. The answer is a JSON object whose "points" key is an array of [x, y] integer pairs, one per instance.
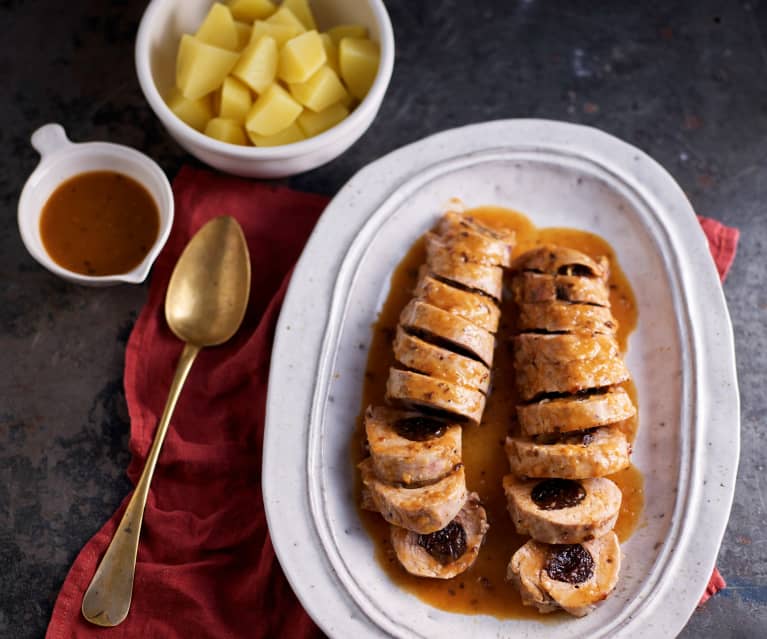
{"points": [[473, 307], [416, 391], [441, 363], [560, 260], [573, 577], [556, 348], [452, 266], [576, 412], [447, 552], [494, 244], [423, 510], [575, 455], [537, 378], [562, 511], [564, 317], [439, 325], [411, 448], [528, 287]]}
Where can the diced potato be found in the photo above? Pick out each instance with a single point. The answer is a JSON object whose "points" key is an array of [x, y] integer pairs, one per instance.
{"points": [[274, 111], [287, 17], [312, 123], [218, 28], [301, 10], [257, 65], [280, 32], [331, 52], [301, 57], [287, 136], [201, 68], [233, 100], [319, 91], [226, 130], [342, 31], [250, 10], [358, 59], [195, 113], [243, 34]]}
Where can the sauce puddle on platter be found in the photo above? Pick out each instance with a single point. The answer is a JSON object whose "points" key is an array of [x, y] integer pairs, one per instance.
{"points": [[483, 588]]}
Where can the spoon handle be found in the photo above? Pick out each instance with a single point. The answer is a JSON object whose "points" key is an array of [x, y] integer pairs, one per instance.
{"points": [[108, 598]]}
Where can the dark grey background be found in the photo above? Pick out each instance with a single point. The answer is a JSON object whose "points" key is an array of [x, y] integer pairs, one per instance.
{"points": [[685, 81]]}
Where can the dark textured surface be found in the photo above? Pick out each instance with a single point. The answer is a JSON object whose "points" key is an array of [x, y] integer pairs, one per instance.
{"points": [[685, 81]]}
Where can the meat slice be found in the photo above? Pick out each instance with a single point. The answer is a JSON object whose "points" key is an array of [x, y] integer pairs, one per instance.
{"points": [[566, 317], [557, 347], [562, 511], [453, 222], [423, 510], [571, 577], [536, 378], [472, 244], [452, 266], [577, 455], [579, 412], [410, 448], [560, 260], [418, 355], [447, 552], [413, 390], [528, 287], [473, 307], [431, 321]]}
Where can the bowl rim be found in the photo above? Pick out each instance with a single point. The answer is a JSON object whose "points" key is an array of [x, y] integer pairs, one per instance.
{"points": [[177, 126]]}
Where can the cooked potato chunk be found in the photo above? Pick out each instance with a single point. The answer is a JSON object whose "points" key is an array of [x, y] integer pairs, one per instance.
{"points": [[312, 123], [280, 32], [195, 113], [287, 136], [201, 68], [358, 60], [301, 10], [320, 91], [250, 10], [273, 111], [218, 28], [287, 17], [331, 52], [342, 31], [243, 34], [233, 100], [301, 57], [226, 130], [257, 65]]}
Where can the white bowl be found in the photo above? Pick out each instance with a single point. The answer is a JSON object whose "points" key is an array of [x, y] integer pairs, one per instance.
{"points": [[161, 28], [60, 160]]}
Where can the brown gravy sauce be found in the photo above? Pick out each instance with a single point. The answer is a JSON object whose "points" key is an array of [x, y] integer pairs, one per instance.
{"points": [[483, 589]]}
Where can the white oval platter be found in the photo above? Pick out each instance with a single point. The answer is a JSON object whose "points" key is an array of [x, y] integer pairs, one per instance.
{"points": [[681, 356]]}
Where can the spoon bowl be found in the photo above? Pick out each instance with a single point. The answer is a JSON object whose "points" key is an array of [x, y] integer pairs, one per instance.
{"points": [[204, 306]]}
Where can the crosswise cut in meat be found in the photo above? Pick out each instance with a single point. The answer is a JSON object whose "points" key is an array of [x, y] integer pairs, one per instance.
{"points": [[398, 460], [413, 390], [452, 266], [416, 559], [423, 510], [427, 319], [528, 287], [566, 317], [597, 453], [559, 260], [418, 355], [575, 413], [477, 309]]}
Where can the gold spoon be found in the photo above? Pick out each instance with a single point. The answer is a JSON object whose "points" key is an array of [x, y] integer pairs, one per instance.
{"points": [[204, 306]]}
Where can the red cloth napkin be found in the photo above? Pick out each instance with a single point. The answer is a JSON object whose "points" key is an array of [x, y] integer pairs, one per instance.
{"points": [[206, 567]]}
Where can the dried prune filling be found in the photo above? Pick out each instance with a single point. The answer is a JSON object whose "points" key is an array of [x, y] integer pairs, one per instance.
{"points": [[420, 428], [445, 545], [570, 563], [579, 270], [554, 494], [574, 438]]}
